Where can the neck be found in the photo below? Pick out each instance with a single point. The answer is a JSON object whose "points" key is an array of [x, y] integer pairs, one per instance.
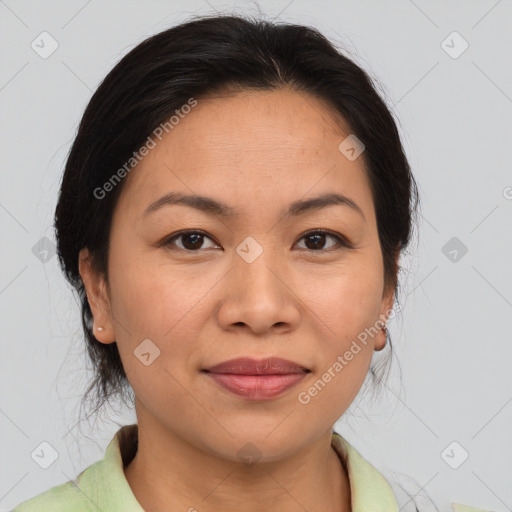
{"points": [[169, 471]]}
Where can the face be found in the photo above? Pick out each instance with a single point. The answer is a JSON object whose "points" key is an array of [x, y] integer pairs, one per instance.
{"points": [[189, 287]]}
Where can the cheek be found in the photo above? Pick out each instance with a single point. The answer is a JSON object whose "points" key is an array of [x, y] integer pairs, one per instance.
{"points": [[163, 304], [346, 306], [336, 383], [153, 298], [150, 303], [348, 300]]}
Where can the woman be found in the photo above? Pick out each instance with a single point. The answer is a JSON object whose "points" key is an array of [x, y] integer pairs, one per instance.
{"points": [[232, 214]]}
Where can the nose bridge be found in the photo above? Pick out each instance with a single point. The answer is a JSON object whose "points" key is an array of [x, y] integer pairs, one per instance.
{"points": [[258, 294], [258, 264]]}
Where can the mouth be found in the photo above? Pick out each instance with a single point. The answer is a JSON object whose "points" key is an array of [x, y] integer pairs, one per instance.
{"points": [[257, 380]]}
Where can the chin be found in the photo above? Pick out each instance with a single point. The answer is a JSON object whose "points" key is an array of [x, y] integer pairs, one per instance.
{"points": [[250, 443]]}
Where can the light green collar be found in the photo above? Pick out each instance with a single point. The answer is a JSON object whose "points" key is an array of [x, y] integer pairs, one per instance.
{"points": [[370, 490], [103, 485]]}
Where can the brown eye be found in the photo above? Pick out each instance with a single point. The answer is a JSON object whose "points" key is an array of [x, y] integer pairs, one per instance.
{"points": [[194, 241], [316, 240], [191, 241]]}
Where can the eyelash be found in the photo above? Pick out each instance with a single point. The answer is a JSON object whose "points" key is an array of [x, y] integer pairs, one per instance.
{"points": [[342, 243]]}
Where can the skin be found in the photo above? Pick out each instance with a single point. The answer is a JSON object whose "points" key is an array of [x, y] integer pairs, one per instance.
{"points": [[257, 152]]}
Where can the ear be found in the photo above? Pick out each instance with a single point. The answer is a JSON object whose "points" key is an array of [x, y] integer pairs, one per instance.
{"points": [[97, 296], [388, 298]]}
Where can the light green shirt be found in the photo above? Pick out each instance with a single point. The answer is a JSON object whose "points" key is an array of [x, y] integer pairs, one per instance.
{"points": [[103, 485]]}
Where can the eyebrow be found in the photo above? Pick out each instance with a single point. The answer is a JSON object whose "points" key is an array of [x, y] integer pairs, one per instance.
{"points": [[214, 207]]}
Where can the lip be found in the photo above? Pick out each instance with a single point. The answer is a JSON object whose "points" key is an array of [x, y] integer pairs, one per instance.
{"points": [[257, 379], [250, 366]]}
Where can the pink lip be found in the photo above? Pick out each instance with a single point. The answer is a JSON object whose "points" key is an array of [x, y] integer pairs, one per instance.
{"points": [[257, 379]]}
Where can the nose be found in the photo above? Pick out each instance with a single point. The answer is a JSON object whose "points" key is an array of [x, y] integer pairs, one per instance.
{"points": [[260, 297]]}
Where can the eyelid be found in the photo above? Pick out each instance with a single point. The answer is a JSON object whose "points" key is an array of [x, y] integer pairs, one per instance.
{"points": [[342, 241], [168, 239]]}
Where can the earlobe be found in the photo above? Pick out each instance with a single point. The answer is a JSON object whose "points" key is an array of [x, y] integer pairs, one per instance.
{"points": [[387, 305], [381, 339], [388, 299], [97, 296]]}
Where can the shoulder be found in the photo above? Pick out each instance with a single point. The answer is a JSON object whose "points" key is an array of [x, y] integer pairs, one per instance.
{"points": [[100, 487], [64, 497], [370, 489]]}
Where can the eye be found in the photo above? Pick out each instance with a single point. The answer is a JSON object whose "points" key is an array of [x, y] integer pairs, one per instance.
{"points": [[192, 240], [318, 237]]}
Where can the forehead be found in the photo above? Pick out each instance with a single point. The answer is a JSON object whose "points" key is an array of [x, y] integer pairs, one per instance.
{"points": [[277, 121], [278, 142]]}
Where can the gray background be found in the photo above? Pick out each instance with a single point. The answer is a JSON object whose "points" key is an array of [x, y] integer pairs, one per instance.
{"points": [[452, 339]]}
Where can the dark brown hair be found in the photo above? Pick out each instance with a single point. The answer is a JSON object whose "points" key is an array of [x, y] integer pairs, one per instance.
{"points": [[195, 59]]}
